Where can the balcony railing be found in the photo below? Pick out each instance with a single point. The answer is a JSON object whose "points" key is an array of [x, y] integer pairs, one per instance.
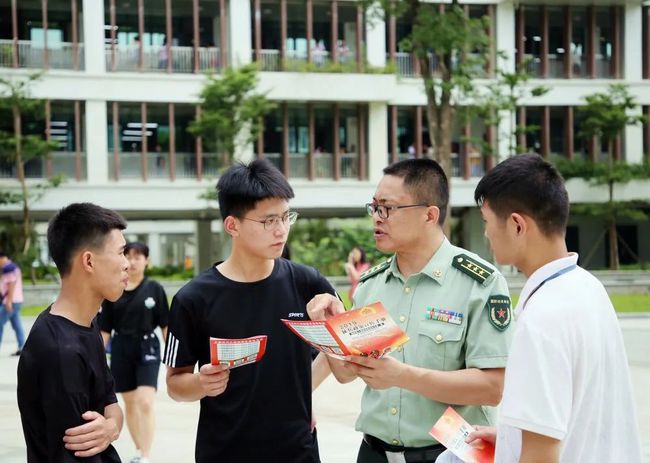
{"points": [[60, 55], [62, 163], [323, 164], [156, 59]]}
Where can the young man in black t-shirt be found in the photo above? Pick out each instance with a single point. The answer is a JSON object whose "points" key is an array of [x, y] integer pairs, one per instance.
{"points": [[135, 348], [66, 394], [262, 411]]}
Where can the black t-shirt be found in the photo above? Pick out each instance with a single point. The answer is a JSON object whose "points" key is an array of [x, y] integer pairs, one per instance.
{"points": [[137, 311], [265, 412], [62, 373]]}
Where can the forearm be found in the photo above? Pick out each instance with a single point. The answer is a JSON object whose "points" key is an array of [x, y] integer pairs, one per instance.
{"points": [[342, 374], [471, 386], [184, 387], [163, 330], [113, 413], [320, 369]]}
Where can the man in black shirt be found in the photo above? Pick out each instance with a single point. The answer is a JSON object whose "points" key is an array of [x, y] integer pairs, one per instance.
{"points": [[262, 411], [66, 395], [135, 348]]}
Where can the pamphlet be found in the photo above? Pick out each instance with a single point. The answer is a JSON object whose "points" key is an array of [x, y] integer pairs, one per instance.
{"points": [[367, 331], [451, 430], [237, 352]]}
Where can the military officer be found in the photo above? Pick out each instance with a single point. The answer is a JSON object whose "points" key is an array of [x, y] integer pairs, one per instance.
{"points": [[454, 307]]}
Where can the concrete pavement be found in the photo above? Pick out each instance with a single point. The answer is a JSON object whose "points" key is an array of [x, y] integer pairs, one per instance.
{"points": [[336, 407]]}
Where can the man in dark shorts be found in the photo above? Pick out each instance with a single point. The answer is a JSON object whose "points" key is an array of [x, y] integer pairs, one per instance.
{"points": [[66, 395], [135, 348], [262, 411]]}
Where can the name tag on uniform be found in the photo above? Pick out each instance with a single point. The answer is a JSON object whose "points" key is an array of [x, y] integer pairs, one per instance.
{"points": [[445, 316]]}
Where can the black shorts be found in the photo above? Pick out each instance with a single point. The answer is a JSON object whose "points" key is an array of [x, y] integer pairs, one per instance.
{"points": [[135, 361]]}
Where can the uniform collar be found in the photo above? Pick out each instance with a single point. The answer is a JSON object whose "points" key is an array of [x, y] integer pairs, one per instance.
{"points": [[543, 273], [436, 268]]}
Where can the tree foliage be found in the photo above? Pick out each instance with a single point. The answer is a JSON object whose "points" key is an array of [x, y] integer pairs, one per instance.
{"points": [[230, 107]]}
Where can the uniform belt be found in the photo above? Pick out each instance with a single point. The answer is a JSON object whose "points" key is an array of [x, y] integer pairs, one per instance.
{"points": [[411, 454]]}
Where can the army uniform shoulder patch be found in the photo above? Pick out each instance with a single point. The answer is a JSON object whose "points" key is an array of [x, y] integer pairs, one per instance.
{"points": [[499, 311], [472, 267], [372, 271]]}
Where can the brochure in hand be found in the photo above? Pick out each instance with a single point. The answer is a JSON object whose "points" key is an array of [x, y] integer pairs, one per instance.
{"points": [[237, 352], [451, 430], [367, 331]]}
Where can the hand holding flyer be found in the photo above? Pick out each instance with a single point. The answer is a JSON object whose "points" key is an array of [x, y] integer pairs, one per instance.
{"points": [[237, 352], [451, 430], [367, 331]]}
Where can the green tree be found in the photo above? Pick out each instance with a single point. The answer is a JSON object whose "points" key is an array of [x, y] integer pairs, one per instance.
{"points": [[17, 148], [231, 110], [604, 117]]}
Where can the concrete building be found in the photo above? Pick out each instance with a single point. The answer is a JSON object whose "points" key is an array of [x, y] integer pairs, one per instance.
{"points": [[123, 76]]}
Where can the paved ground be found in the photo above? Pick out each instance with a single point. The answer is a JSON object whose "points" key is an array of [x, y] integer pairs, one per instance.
{"points": [[335, 405]]}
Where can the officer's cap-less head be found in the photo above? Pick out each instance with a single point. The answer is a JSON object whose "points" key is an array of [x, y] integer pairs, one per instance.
{"points": [[425, 181]]}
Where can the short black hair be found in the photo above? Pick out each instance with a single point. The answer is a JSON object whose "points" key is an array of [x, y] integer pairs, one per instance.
{"points": [[3, 253], [527, 184], [242, 186], [138, 247], [76, 226], [425, 180]]}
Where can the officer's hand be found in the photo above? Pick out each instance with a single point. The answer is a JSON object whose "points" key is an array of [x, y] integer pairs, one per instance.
{"points": [[92, 437], [324, 306], [377, 373], [213, 379], [487, 433]]}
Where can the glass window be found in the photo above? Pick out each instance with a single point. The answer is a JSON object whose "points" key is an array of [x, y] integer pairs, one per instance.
{"points": [[534, 129], [298, 140], [533, 40], [605, 41], [556, 41], [154, 39], [296, 31], [347, 32], [323, 140], [6, 31], [348, 140], [557, 130], [579, 42], [184, 114], [157, 140], [273, 137], [406, 132]]}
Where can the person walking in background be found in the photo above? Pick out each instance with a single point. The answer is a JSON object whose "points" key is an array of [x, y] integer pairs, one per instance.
{"points": [[135, 348], [66, 394], [11, 299], [357, 264]]}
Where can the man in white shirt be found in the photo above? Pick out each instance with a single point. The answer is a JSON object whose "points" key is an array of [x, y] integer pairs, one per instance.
{"points": [[567, 395]]}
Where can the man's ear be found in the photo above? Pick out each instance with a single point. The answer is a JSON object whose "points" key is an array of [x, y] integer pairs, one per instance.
{"points": [[433, 214], [519, 222], [87, 261], [231, 225]]}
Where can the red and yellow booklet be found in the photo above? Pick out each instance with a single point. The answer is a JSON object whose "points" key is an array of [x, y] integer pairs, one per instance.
{"points": [[367, 331], [237, 352], [451, 430]]}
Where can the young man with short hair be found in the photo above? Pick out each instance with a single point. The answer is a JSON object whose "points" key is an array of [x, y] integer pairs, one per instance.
{"points": [[135, 348], [11, 299], [66, 394], [261, 411], [567, 396]]}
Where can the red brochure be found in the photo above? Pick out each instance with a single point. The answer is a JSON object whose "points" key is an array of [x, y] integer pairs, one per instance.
{"points": [[237, 352], [451, 430]]}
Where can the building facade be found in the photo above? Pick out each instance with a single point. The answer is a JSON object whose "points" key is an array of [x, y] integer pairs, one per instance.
{"points": [[122, 79]]}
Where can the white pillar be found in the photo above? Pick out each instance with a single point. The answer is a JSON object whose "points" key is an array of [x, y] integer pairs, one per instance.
{"points": [[375, 37], [244, 152], [96, 136], [93, 37], [377, 140], [154, 244], [239, 26], [505, 35], [633, 141], [632, 43]]}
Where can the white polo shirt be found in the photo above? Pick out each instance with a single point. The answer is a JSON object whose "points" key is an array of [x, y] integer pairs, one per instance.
{"points": [[567, 375]]}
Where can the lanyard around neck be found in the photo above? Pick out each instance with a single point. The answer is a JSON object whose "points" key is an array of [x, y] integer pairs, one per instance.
{"points": [[552, 277]]}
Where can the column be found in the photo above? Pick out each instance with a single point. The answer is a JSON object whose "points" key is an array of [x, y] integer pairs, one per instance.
{"points": [[205, 251], [632, 46], [239, 26], [633, 137], [244, 151], [377, 140], [96, 135], [93, 40], [375, 37], [153, 242], [473, 237], [505, 35]]}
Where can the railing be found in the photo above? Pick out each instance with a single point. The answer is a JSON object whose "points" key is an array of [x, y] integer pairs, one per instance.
{"points": [[269, 60], [60, 55], [323, 164], [63, 163], [155, 59], [404, 64]]}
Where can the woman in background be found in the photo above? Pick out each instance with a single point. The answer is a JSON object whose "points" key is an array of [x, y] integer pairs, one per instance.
{"points": [[357, 264]]}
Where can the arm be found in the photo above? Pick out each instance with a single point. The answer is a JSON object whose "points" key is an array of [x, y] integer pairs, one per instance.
{"points": [[95, 436], [471, 386], [537, 448], [9, 297], [320, 369], [183, 385]]}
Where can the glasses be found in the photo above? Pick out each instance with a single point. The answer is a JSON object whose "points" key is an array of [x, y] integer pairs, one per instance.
{"points": [[273, 222], [384, 211]]}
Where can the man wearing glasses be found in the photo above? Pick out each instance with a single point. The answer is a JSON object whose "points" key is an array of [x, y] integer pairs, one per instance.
{"points": [[261, 411], [454, 306]]}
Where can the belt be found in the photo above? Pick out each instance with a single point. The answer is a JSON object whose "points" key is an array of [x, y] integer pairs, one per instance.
{"points": [[411, 454]]}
